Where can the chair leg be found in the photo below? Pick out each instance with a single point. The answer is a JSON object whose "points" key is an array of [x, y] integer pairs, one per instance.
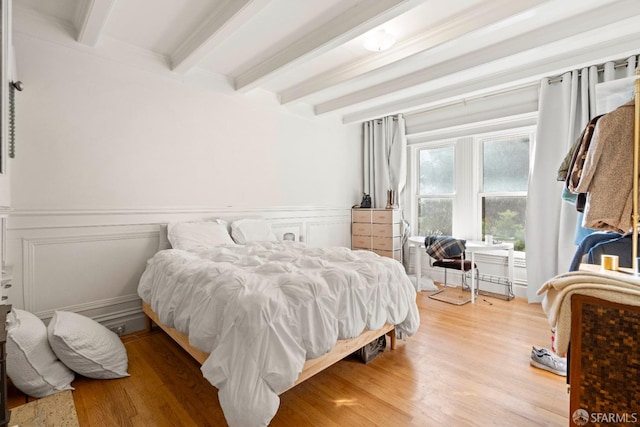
{"points": [[442, 289], [465, 286], [477, 281]]}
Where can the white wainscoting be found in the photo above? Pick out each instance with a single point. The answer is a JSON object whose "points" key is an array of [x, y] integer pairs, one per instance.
{"points": [[90, 261]]}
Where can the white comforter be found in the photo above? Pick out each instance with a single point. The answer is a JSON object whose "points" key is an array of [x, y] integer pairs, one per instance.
{"points": [[263, 308]]}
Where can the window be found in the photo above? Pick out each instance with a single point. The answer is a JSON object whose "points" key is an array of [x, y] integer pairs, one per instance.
{"points": [[436, 190], [503, 196], [473, 185]]}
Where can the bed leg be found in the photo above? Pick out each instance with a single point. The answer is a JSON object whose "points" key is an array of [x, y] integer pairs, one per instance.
{"points": [[392, 337], [147, 323]]}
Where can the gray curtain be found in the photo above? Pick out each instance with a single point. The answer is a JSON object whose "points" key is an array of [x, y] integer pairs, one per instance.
{"points": [[385, 158], [564, 109]]}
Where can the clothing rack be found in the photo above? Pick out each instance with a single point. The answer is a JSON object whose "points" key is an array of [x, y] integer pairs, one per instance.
{"points": [[623, 88], [635, 217]]}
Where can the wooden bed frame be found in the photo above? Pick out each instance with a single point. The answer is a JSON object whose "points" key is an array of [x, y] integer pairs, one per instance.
{"points": [[311, 367]]}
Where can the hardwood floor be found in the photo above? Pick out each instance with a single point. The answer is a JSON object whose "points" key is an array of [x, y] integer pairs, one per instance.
{"points": [[466, 366]]}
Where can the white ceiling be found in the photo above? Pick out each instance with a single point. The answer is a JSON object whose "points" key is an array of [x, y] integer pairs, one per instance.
{"points": [[310, 51]]}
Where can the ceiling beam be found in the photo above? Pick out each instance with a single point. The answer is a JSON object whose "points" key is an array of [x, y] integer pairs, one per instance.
{"points": [[91, 20], [523, 74], [213, 30], [356, 21], [531, 40], [462, 23]]}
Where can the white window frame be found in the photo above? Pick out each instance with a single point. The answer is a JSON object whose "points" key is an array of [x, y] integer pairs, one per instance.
{"points": [[467, 196], [417, 197], [478, 141]]}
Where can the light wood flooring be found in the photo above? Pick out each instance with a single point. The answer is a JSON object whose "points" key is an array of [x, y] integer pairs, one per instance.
{"points": [[466, 366]]}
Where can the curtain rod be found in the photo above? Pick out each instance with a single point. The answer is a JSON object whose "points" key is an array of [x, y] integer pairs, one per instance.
{"points": [[600, 69], [378, 121], [465, 100], [395, 119]]}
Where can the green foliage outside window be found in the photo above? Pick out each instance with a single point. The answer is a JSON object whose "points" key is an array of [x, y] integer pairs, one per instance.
{"points": [[504, 218]]}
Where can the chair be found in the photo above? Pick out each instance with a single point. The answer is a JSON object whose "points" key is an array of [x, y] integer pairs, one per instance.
{"points": [[448, 252]]}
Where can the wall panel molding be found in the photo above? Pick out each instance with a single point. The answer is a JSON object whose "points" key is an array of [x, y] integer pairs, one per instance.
{"points": [[320, 230], [89, 308], [90, 261], [48, 218], [29, 265]]}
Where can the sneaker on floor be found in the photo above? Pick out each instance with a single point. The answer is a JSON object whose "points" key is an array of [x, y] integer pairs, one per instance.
{"points": [[544, 359]]}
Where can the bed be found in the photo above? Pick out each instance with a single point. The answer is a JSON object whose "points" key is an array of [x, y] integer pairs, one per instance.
{"points": [[264, 315]]}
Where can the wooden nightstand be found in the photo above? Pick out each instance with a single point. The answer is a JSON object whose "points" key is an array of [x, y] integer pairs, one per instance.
{"points": [[377, 230]]}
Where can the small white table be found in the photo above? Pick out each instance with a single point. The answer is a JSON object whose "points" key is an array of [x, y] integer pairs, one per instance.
{"points": [[472, 246], [478, 246]]}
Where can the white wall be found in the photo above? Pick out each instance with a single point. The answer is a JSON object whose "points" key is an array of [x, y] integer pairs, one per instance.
{"points": [[109, 149], [92, 133]]}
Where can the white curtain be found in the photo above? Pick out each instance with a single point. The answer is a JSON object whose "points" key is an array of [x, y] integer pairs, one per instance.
{"points": [[385, 158], [564, 109]]}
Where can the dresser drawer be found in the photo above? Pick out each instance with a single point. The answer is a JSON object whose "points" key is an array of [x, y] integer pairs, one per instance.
{"points": [[386, 243], [361, 229], [363, 215], [360, 242], [385, 216], [386, 230]]}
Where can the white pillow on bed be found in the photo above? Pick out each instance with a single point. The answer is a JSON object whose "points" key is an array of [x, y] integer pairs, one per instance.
{"points": [[31, 363], [198, 235], [251, 230], [87, 347]]}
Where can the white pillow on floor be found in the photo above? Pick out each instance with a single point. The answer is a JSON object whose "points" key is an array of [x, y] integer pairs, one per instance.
{"points": [[31, 363], [87, 347]]}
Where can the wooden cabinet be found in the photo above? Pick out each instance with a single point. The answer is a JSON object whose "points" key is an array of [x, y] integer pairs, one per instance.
{"points": [[377, 230], [604, 359]]}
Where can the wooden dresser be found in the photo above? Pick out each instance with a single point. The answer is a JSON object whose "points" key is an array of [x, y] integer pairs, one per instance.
{"points": [[377, 230]]}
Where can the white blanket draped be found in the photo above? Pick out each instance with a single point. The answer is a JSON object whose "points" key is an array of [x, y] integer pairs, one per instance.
{"points": [[263, 308], [622, 289]]}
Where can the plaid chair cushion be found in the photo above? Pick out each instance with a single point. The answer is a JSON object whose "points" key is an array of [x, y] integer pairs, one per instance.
{"points": [[441, 247]]}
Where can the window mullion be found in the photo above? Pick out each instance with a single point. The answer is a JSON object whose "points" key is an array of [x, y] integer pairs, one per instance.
{"points": [[463, 204]]}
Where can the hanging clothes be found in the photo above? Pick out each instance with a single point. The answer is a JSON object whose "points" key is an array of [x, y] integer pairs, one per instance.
{"points": [[571, 168], [588, 243], [574, 173], [620, 246], [605, 173], [575, 165]]}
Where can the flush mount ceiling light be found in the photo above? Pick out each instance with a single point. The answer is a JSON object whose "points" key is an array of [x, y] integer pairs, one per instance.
{"points": [[378, 40]]}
